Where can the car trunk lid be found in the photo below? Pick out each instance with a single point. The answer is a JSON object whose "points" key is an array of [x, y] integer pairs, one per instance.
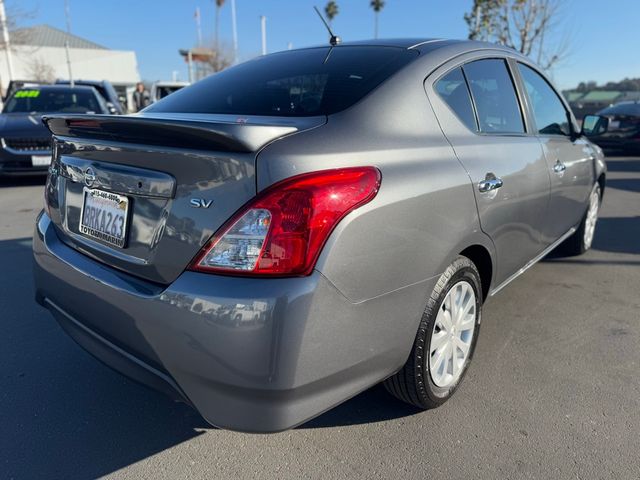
{"points": [[177, 177]]}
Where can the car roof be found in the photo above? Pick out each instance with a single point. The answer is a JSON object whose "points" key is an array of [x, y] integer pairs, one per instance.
{"points": [[100, 83], [169, 83], [426, 43], [622, 108], [58, 87]]}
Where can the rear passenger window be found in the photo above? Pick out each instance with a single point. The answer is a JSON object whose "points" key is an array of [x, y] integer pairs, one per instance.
{"points": [[452, 88], [494, 96], [551, 116]]}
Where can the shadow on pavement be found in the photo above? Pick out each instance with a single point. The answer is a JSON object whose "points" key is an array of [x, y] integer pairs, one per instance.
{"points": [[65, 415], [62, 413], [613, 234], [629, 184], [373, 405], [622, 165], [29, 181], [618, 234]]}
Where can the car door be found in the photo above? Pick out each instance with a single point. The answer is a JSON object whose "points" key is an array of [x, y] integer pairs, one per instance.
{"points": [[480, 114], [569, 157]]}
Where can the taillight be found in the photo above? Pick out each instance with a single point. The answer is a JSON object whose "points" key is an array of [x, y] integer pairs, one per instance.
{"points": [[282, 231]]}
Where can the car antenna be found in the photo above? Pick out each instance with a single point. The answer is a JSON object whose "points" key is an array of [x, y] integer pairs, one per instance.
{"points": [[333, 39]]}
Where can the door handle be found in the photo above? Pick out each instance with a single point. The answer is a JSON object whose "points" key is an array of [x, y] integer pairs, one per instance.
{"points": [[490, 182], [559, 167]]}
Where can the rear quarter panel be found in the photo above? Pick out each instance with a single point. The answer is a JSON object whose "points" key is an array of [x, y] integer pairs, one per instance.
{"points": [[424, 213]]}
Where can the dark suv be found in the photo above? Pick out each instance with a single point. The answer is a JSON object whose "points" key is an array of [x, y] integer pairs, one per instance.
{"points": [[104, 88]]}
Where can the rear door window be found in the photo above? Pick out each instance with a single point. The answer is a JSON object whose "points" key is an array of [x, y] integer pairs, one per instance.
{"points": [[452, 88], [550, 115], [494, 96]]}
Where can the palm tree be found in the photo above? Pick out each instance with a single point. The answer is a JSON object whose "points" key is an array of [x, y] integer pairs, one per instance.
{"points": [[377, 5], [219, 4], [331, 10]]}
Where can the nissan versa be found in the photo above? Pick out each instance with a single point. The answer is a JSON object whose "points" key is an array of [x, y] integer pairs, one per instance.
{"points": [[278, 237]]}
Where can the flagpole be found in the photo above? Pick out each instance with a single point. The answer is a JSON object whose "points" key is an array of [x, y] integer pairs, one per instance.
{"points": [[198, 26], [235, 31]]}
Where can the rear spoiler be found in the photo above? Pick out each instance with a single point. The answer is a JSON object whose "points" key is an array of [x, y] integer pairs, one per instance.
{"points": [[167, 132]]}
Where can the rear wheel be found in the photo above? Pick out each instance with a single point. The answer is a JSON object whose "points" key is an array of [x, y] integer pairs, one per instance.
{"points": [[582, 239], [445, 341]]}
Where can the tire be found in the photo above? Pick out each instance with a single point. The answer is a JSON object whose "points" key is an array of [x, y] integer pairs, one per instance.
{"points": [[581, 240], [418, 382]]}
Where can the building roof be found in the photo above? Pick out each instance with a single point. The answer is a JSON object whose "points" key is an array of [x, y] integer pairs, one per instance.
{"points": [[573, 96], [48, 36], [600, 96]]}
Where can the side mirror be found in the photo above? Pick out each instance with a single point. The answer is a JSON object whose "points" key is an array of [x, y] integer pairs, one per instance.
{"points": [[593, 125]]}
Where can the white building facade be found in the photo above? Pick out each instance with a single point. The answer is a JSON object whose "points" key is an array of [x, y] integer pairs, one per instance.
{"points": [[39, 54]]}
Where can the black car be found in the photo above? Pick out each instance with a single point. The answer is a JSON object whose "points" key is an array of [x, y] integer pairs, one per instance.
{"points": [[623, 131], [104, 88], [25, 143]]}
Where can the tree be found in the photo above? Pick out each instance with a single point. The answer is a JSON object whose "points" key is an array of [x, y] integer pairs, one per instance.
{"points": [[41, 71], [222, 58], [523, 25], [377, 5], [331, 10]]}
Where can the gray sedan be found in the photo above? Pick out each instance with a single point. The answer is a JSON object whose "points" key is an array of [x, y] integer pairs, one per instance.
{"points": [[278, 237]]}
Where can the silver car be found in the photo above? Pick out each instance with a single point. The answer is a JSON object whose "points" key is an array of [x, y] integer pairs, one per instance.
{"points": [[281, 236]]}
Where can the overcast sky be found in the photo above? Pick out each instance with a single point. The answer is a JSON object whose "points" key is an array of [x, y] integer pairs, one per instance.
{"points": [[604, 35]]}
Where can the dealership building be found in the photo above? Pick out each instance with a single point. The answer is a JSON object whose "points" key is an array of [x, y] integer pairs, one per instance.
{"points": [[39, 53]]}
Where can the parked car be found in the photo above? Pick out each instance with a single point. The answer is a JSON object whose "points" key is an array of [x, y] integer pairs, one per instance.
{"points": [[17, 84], [370, 196], [622, 132], [25, 143], [159, 90], [105, 89]]}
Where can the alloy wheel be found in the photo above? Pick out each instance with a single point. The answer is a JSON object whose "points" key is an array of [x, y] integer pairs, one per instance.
{"points": [[452, 334]]}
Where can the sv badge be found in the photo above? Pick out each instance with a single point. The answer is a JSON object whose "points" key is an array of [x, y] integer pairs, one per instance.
{"points": [[200, 203]]}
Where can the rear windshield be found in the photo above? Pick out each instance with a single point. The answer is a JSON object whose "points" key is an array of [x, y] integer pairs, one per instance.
{"points": [[49, 101], [299, 83], [165, 91]]}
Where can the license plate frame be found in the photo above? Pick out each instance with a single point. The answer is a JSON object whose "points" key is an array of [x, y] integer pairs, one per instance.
{"points": [[104, 225]]}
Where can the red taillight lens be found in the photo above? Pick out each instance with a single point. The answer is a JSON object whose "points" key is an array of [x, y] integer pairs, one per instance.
{"points": [[283, 230]]}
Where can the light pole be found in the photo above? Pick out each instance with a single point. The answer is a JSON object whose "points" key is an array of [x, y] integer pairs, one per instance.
{"points": [[5, 37], [235, 31], [263, 27], [66, 42]]}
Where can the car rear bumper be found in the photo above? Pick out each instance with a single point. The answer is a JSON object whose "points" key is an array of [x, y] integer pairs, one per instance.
{"points": [[257, 355]]}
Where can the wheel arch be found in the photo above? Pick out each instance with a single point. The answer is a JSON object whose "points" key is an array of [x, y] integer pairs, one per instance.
{"points": [[602, 182], [483, 261]]}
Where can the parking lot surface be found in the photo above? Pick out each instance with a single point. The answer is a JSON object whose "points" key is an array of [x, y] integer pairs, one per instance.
{"points": [[553, 391]]}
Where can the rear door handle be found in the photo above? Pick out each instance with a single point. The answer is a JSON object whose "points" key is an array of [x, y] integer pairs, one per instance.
{"points": [[559, 167], [490, 182]]}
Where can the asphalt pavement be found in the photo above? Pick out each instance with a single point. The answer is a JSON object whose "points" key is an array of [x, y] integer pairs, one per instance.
{"points": [[553, 392]]}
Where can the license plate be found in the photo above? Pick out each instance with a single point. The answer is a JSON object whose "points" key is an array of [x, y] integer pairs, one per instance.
{"points": [[41, 160], [104, 216]]}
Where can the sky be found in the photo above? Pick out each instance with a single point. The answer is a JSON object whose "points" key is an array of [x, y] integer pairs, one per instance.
{"points": [[603, 36]]}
